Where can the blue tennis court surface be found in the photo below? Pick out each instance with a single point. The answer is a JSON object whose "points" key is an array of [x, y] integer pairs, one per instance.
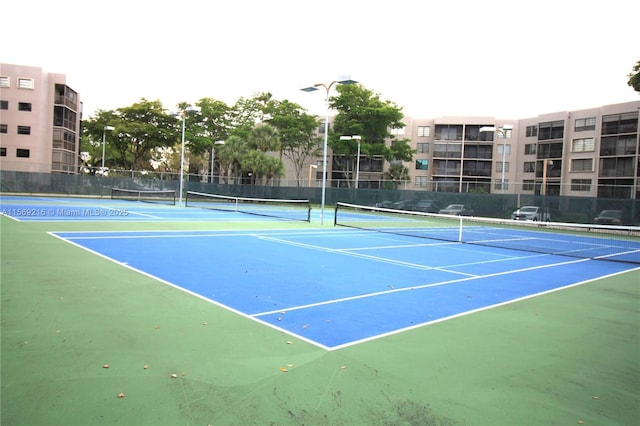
{"points": [[336, 287]]}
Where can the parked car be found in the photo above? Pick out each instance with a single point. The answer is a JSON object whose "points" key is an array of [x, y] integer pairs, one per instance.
{"points": [[456, 209], [426, 206], [609, 217], [385, 204], [403, 205], [533, 213]]}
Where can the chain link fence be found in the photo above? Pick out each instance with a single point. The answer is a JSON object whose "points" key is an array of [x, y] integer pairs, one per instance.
{"points": [[561, 208]]}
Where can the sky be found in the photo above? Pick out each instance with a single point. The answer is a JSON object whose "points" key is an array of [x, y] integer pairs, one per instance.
{"points": [[435, 58]]}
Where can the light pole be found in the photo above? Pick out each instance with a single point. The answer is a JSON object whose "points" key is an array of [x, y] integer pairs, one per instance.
{"points": [[357, 138], [104, 132], [213, 155], [327, 88], [505, 131], [184, 118]]}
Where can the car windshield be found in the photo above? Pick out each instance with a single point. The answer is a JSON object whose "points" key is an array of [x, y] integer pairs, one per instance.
{"points": [[455, 207], [611, 213], [528, 209]]}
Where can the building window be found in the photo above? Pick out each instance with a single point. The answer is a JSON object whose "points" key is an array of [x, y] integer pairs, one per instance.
{"points": [[22, 153], [397, 132], [24, 106], [583, 145], [498, 185], [551, 130], [3, 152], [24, 130], [528, 185], [423, 148], [529, 167], [4, 104], [25, 83], [424, 131], [3, 128], [499, 166], [502, 147], [530, 149], [620, 123], [422, 164], [4, 81], [445, 132], [532, 131], [582, 165], [583, 124], [422, 181], [581, 184]]}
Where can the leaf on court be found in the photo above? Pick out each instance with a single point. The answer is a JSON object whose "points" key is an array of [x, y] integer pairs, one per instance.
{"points": [[284, 370], [105, 366], [342, 367], [289, 342], [174, 376], [146, 367], [305, 326], [121, 395]]}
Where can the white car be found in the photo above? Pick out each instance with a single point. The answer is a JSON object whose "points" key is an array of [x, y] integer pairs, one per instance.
{"points": [[533, 213]]}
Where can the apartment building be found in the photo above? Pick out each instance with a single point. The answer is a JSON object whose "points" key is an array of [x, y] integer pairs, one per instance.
{"points": [[589, 153], [39, 121]]}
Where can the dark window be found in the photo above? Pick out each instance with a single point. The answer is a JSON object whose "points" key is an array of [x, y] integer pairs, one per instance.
{"points": [[551, 130], [581, 184], [4, 104], [532, 131], [3, 128], [24, 130], [24, 106], [422, 164], [530, 148], [620, 123], [3, 152], [22, 153]]}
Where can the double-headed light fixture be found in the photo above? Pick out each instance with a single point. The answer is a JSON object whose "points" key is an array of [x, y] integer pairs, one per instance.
{"points": [[183, 114], [327, 87]]}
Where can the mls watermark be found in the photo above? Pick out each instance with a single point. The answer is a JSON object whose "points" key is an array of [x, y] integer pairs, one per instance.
{"points": [[64, 212]]}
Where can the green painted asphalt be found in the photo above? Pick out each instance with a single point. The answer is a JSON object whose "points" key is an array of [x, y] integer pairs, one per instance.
{"points": [[560, 359]]}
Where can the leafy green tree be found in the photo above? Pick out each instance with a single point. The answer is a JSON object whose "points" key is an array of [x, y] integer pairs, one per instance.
{"points": [[297, 129], [230, 156], [634, 77], [363, 113], [139, 131]]}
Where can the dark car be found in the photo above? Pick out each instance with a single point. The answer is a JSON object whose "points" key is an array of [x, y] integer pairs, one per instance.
{"points": [[457, 210], [403, 205], [609, 217], [426, 206]]}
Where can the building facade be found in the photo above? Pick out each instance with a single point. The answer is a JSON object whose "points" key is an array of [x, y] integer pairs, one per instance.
{"points": [[40, 119], [586, 153]]}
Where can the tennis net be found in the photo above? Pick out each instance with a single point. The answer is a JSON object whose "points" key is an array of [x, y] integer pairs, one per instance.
{"points": [[272, 207], [147, 196], [616, 243]]}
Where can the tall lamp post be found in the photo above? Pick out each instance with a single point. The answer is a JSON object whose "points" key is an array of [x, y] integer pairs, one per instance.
{"points": [[213, 156], [327, 88], [356, 138], [505, 131], [105, 129], [184, 119]]}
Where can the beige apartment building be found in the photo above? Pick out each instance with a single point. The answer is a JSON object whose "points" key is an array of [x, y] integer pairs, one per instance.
{"points": [[587, 153], [39, 121]]}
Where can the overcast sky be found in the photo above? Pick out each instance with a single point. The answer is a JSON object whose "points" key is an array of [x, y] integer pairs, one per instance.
{"points": [[433, 58]]}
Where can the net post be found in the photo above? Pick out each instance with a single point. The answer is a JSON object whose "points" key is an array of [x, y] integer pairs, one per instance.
{"points": [[335, 215], [460, 231]]}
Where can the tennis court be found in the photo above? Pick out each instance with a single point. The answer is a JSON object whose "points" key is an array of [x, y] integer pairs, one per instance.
{"points": [[340, 286], [404, 315]]}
